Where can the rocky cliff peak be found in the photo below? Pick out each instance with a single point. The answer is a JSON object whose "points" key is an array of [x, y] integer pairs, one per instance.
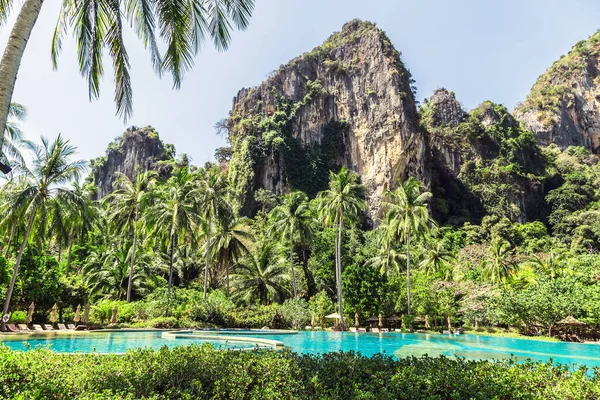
{"points": [[446, 110], [138, 149], [563, 106], [347, 102]]}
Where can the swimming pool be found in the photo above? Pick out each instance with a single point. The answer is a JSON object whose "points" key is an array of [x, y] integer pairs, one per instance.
{"points": [[318, 342]]}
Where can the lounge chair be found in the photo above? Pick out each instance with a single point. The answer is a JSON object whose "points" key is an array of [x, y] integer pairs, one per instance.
{"points": [[12, 328], [62, 327], [375, 330], [362, 329], [23, 328], [384, 330], [398, 329], [308, 327], [38, 328], [80, 327], [71, 327], [352, 329], [48, 327]]}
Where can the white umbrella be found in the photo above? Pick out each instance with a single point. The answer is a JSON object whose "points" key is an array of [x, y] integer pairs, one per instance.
{"points": [[30, 313], [53, 314], [77, 314], [86, 314], [334, 316], [115, 312]]}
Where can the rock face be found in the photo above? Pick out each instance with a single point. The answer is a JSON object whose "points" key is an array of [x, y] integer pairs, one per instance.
{"points": [[346, 103], [475, 169], [563, 107], [136, 150]]}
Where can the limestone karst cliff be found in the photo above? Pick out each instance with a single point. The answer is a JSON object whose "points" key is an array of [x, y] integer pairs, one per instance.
{"points": [[138, 149], [563, 107], [482, 162], [346, 103]]}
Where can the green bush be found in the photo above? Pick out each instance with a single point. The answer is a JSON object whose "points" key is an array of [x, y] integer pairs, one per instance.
{"points": [[203, 372], [165, 323], [18, 317]]}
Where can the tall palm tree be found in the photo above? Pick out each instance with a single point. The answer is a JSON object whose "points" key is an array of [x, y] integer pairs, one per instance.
{"points": [[98, 27], [408, 208], [341, 203], [70, 221], [233, 239], [41, 185], [499, 265], [124, 210], [261, 277], [174, 214], [291, 219], [212, 195]]}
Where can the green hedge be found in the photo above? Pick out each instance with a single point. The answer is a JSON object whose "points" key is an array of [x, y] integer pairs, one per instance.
{"points": [[202, 372]]}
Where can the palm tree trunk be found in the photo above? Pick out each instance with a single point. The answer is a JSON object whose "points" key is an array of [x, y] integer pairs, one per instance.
{"points": [[13, 53], [339, 269], [10, 239], [408, 269], [207, 257], [11, 286], [292, 262], [387, 261], [130, 281], [4, 240], [69, 258], [171, 264], [310, 281], [59, 251]]}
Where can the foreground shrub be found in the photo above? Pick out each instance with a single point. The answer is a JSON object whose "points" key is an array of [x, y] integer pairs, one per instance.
{"points": [[203, 372]]}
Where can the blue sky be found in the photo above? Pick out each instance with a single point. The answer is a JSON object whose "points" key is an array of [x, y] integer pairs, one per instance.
{"points": [[480, 49]]}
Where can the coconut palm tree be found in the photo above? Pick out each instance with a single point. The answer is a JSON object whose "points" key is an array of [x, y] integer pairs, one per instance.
{"points": [[52, 169], [290, 220], [233, 239], [262, 277], [499, 265], [212, 195], [174, 215], [408, 208], [11, 153], [341, 203], [124, 210], [107, 271], [438, 260], [98, 26]]}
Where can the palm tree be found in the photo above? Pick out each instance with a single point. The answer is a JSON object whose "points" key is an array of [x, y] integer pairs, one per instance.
{"points": [[41, 185], [261, 278], [551, 265], [233, 238], [438, 260], [292, 218], [212, 196], [342, 202], [499, 266], [98, 27], [174, 215], [10, 153], [107, 271], [124, 210], [70, 221], [408, 208]]}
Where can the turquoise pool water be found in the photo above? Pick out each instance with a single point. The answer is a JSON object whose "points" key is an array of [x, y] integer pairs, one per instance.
{"points": [[393, 344], [109, 342]]}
